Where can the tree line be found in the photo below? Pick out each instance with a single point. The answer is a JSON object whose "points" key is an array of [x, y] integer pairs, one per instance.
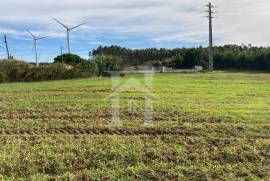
{"points": [[115, 58], [225, 57]]}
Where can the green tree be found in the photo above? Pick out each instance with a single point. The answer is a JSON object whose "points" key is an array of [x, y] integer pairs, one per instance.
{"points": [[107, 63], [70, 59], [177, 61], [243, 57]]}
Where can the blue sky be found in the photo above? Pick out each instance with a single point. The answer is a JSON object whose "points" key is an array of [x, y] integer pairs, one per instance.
{"points": [[130, 23]]}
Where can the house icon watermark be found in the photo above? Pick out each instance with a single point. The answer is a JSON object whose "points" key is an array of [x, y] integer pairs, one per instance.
{"points": [[131, 85]]}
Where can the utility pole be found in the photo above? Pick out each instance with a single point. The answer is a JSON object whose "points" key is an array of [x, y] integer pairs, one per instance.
{"points": [[210, 16], [6, 43]]}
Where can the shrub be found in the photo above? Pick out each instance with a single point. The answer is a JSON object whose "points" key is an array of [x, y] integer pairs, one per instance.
{"points": [[14, 70], [3, 77], [107, 63], [17, 71], [178, 61], [156, 63], [53, 71], [87, 68]]}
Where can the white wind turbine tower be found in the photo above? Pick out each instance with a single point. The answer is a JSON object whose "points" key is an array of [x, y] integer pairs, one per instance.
{"points": [[68, 31], [35, 44]]}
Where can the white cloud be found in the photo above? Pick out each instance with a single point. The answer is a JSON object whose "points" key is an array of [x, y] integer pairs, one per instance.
{"points": [[97, 43], [239, 21]]}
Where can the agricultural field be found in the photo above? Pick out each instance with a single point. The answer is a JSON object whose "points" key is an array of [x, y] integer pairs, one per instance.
{"points": [[204, 126]]}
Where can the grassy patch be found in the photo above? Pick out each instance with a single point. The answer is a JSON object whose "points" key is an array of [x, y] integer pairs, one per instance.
{"points": [[205, 126]]}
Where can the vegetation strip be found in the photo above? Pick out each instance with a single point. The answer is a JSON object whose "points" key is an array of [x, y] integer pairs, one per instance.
{"points": [[118, 131], [96, 131]]}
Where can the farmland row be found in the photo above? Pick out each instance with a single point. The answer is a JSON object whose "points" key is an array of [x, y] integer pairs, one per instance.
{"points": [[222, 131], [136, 157]]}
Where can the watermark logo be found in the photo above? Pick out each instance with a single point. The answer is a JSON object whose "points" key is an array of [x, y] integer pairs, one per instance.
{"points": [[132, 85]]}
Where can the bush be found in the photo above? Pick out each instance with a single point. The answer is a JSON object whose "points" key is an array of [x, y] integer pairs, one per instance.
{"points": [[3, 77], [102, 64], [87, 69], [156, 63], [53, 71], [17, 71], [14, 70], [176, 61]]}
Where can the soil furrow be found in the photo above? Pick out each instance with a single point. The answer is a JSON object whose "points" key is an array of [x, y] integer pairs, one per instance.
{"points": [[115, 131]]}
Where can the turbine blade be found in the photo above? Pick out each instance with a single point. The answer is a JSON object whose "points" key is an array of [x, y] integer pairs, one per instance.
{"points": [[77, 26], [60, 23], [42, 37], [31, 34]]}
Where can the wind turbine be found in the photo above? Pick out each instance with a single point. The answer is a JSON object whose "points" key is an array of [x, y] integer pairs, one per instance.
{"points": [[68, 31], [35, 44]]}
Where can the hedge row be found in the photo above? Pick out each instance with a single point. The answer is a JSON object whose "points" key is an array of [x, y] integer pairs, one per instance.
{"points": [[18, 71]]}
